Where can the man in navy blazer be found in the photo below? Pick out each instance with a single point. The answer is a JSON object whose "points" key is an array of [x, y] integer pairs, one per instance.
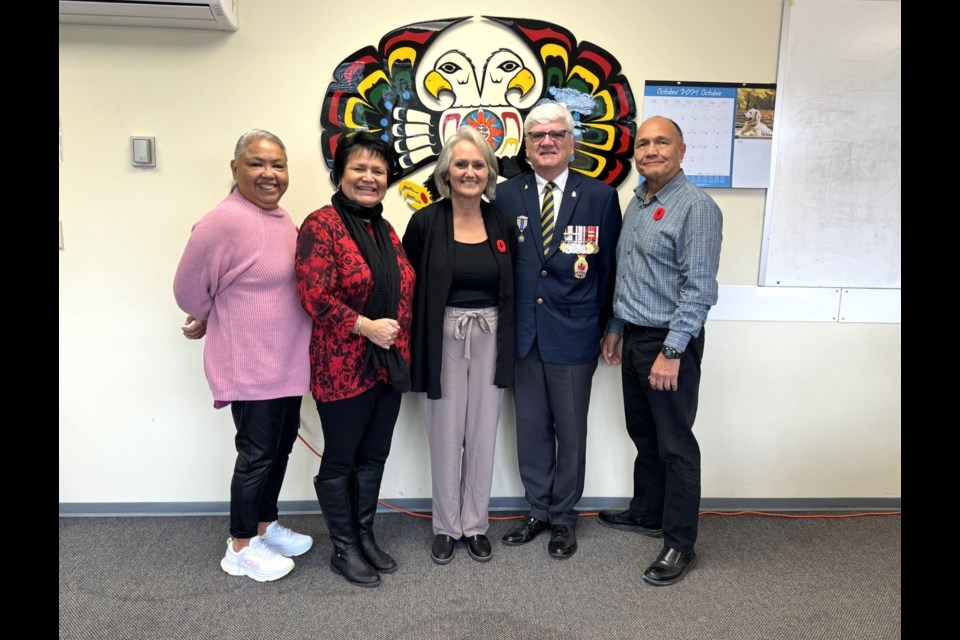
{"points": [[563, 278]]}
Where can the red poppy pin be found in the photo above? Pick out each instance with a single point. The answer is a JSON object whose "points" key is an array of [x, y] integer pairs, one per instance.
{"points": [[501, 246], [659, 213]]}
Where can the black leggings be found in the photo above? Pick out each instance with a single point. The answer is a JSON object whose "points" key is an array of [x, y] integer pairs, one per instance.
{"points": [[357, 431]]}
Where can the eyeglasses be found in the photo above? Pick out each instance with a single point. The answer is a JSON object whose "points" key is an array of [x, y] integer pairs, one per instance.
{"points": [[556, 136]]}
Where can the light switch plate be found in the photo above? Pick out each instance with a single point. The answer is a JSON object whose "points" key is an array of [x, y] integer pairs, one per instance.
{"points": [[143, 151]]}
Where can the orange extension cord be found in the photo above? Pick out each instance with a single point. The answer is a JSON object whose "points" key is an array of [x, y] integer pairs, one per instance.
{"points": [[766, 514]]}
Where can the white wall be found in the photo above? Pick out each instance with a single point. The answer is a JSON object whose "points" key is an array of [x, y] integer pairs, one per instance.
{"points": [[787, 409]]}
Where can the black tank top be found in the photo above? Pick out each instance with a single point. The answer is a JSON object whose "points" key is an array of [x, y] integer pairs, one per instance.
{"points": [[476, 276]]}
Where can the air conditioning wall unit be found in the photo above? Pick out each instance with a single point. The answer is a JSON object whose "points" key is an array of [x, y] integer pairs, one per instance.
{"points": [[183, 14]]}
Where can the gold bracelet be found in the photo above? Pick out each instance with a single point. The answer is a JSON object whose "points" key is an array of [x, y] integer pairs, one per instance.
{"points": [[359, 325]]}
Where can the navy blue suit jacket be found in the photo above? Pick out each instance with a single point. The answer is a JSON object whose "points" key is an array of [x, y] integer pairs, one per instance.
{"points": [[565, 315]]}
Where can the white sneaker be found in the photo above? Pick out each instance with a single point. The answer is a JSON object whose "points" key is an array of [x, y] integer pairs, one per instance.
{"points": [[256, 561], [286, 542]]}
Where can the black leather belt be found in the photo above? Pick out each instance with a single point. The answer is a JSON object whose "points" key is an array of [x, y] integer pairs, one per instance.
{"points": [[629, 326]]}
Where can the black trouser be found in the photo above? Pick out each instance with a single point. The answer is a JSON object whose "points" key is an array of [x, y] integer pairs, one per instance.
{"points": [[666, 473], [357, 431], [266, 431], [552, 402]]}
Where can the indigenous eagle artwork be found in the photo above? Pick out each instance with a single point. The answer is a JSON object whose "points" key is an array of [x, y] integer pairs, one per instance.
{"points": [[376, 89]]}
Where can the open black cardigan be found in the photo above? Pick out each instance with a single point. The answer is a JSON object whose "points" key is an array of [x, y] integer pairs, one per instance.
{"points": [[428, 242]]}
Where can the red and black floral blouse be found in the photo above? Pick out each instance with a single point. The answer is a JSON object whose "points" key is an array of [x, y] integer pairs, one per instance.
{"points": [[335, 283]]}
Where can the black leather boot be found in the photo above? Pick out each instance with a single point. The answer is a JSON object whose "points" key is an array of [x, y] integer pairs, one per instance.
{"points": [[347, 558], [368, 493]]}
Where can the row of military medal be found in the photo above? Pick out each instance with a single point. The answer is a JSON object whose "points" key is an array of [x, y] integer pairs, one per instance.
{"points": [[582, 240]]}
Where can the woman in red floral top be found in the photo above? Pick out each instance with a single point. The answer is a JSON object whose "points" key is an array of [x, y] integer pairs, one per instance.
{"points": [[355, 281]]}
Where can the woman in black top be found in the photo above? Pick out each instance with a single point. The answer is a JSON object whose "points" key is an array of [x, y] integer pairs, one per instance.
{"points": [[462, 354]]}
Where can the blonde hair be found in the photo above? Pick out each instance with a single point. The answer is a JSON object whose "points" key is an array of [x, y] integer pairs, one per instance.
{"points": [[441, 172]]}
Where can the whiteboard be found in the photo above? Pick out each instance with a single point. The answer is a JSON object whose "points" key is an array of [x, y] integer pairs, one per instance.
{"points": [[832, 214]]}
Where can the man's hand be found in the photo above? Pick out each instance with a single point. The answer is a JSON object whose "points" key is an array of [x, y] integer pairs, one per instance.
{"points": [[664, 374], [194, 329], [610, 347]]}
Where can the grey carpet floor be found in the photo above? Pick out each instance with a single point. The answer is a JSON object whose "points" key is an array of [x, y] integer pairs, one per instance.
{"points": [[756, 578]]}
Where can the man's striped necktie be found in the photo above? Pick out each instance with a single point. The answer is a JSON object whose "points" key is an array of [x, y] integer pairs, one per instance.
{"points": [[546, 216]]}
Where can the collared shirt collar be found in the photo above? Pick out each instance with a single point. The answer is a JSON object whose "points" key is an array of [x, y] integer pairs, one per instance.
{"points": [[560, 181], [675, 182]]}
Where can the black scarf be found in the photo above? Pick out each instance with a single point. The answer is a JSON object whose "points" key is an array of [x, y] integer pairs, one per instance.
{"points": [[381, 257]]}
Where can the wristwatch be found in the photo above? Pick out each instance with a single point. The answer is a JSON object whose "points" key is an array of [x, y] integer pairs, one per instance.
{"points": [[670, 353]]}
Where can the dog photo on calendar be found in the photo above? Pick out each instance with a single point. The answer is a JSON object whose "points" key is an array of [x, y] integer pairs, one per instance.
{"points": [[752, 125]]}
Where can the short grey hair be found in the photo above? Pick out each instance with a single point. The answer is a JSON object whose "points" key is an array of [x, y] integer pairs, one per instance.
{"points": [[247, 138], [547, 112], [441, 172]]}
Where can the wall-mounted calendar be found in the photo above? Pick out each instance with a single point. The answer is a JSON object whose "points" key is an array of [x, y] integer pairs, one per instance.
{"points": [[728, 129]]}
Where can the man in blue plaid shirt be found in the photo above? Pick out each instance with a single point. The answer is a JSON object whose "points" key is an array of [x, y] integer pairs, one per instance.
{"points": [[667, 260]]}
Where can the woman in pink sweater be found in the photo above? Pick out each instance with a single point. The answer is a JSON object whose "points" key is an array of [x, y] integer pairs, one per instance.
{"points": [[237, 285]]}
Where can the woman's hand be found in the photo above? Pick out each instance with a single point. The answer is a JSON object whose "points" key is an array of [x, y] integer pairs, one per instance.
{"points": [[382, 332], [194, 329]]}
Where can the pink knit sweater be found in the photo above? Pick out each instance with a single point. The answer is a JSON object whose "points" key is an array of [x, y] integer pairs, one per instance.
{"points": [[237, 274]]}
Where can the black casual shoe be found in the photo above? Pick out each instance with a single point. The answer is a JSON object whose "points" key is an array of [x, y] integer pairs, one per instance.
{"points": [[670, 567], [478, 547], [443, 548], [563, 541], [625, 521], [525, 531]]}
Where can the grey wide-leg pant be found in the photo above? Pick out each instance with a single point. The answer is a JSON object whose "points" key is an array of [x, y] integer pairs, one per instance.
{"points": [[462, 425]]}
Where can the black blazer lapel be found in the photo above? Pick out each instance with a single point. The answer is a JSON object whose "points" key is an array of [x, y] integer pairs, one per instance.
{"points": [[497, 237]]}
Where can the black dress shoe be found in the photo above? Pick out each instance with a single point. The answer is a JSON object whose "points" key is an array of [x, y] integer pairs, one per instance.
{"points": [[670, 567], [525, 531], [443, 548], [563, 541], [478, 547], [625, 521]]}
